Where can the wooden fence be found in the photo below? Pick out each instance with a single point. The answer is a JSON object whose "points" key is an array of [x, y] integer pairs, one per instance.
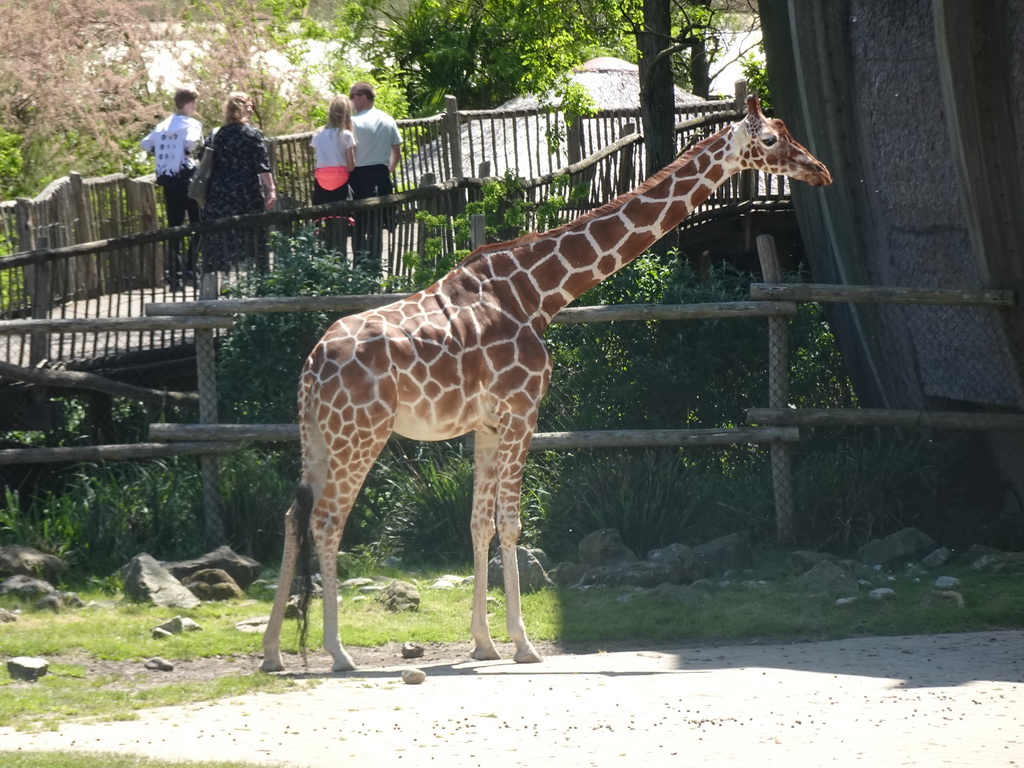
{"points": [[778, 425]]}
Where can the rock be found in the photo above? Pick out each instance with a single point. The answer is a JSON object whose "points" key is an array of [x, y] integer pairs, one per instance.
{"points": [[27, 668], [159, 664], [360, 582], [411, 651], [159, 633], [400, 596], [989, 560], [732, 552], [443, 584], [413, 676], [72, 600], [605, 547], [882, 593], [642, 574], [50, 602], [255, 625], [6, 616], [947, 582], [16, 560], [845, 602], [940, 598], [804, 559], [904, 544], [176, 626], [567, 574], [243, 570], [936, 559], [532, 576], [826, 578], [26, 587], [542, 557], [146, 581], [213, 584], [680, 593]]}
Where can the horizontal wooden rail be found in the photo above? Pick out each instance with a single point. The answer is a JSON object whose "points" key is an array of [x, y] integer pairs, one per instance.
{"points": [[111, 324], [881, 417], [109, 452], [609, 313], [885, 294], [542, 441], [570, 315]]}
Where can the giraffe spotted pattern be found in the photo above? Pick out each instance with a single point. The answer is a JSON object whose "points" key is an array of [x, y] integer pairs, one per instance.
{"points": [[467, 355]]}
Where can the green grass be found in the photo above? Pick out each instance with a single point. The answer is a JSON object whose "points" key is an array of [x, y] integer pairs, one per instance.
{"points": [[736, 613]]}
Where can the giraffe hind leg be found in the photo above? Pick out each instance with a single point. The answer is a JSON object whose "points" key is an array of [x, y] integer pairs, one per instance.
{"points": [[296, 519]]}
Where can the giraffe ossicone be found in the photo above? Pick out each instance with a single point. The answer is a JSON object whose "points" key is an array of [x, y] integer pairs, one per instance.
{"points": [[467, 355]]}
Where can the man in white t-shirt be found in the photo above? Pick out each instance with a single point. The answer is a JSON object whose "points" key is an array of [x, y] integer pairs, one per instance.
{"points": [[378, 152], [172, 143]]}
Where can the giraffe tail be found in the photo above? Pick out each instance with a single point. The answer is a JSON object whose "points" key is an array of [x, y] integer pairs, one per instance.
{"points": [[303, 509]]}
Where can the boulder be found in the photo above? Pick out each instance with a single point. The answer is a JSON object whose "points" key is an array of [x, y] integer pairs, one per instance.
{"points": [[991, 560], [902, 545], [937, 558], [605, 547], [146, 581], [567, 574], [244, 570], [827, 578], [213, 584], [943, 598], [400, 596], [532, 576], [26, 587], [27, 668], [17, 560], [7, 616], [731, 552]]}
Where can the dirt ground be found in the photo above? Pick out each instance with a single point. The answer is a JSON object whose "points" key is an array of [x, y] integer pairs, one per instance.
{"points": [[924, 701]]}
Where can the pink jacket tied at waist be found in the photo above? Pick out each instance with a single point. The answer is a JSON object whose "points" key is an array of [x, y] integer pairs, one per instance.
{"points": [[331, 177]]}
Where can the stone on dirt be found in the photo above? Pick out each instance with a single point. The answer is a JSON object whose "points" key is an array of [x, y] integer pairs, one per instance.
{"points": [[27, 668]]}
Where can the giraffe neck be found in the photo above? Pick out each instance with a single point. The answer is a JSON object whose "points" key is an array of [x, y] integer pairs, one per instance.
{"points": [[554, 268]]}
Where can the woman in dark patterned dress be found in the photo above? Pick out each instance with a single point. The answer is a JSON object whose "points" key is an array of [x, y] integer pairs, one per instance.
{"points": [[240, 183]]}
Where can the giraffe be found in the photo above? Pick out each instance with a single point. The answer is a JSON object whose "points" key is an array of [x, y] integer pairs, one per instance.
{"points": [[467, 355]]}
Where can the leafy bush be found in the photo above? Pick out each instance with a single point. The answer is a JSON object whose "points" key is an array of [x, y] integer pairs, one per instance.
{"points": [[265, 393]]}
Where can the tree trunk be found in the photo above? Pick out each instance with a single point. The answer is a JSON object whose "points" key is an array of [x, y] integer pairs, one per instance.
{"points": [[656, 85]]}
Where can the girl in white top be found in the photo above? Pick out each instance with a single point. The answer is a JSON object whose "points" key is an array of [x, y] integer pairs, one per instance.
{"points": [[334, 145]]}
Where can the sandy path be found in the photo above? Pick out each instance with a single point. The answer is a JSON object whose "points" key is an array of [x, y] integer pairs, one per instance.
{"points": [[925, 701]]}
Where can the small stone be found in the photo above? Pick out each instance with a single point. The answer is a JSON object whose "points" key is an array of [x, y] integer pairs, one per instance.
{"points": [[413, 676], [50, 602], [845, 602], [159, 664], [254, 626], [28, 668], [359, 582], [412, 651], [882, 593], [160, 632], [947, 582], [7, 616]]}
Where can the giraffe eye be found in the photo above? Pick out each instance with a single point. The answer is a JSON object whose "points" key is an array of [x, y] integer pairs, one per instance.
{"points": [[769, 140]]}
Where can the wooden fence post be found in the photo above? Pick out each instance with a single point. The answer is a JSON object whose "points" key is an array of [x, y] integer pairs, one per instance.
{"points": [[454, 133], [206, 371], [778, 396]]}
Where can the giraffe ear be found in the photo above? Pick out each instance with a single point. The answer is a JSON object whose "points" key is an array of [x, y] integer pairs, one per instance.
{"points": [[753, 105]]}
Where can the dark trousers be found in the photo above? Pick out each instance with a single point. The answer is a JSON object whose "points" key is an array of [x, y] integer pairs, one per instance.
{"points": [[179, 205], [367, 241], [332, 229]]}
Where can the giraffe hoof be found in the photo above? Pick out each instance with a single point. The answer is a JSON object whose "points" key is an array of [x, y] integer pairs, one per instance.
{"points": [[270, 665], [485, 654], [343, 665], [527, 656]]}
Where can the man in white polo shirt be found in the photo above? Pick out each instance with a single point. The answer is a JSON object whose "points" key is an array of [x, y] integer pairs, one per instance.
{"points": [[378, 152]]}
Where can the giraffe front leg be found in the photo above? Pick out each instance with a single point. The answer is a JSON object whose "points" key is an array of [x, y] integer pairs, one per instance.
{"points": [[272, 661], [482, 524]]}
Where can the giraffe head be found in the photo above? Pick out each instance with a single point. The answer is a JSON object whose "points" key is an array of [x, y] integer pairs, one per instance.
{"points": [[764, 144]]}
